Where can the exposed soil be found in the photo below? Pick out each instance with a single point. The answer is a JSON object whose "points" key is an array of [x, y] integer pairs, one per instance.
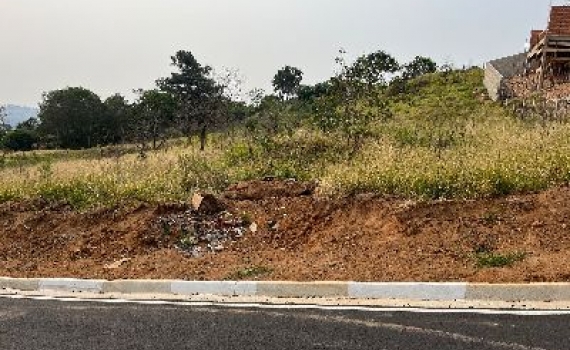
{"points": [[298, 237]]}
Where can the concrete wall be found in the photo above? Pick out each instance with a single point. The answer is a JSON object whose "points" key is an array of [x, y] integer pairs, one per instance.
{"points": [[493, 82], [498, 70]]}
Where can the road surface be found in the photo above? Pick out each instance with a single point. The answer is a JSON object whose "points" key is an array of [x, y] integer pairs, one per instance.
{"points": [[51, 324]]}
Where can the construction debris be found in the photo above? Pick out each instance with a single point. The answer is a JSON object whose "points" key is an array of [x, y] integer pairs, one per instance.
{"points": [[205, 230], [544, 70]]}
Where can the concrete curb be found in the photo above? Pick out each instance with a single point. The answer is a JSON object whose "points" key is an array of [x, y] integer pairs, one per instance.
{"points": [[537, 292]]}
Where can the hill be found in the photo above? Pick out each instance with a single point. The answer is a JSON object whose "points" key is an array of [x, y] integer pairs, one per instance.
{"points": [[17, 114], [447, 186]]}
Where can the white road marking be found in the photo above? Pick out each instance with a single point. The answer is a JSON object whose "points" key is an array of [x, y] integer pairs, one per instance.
{"points": [[428, 332], [296, 306]]}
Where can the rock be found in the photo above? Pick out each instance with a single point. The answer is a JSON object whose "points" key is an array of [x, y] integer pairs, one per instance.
{"points": [[253, 227], [239, 232], [273, 225], [210, 205], [196, 201], [116, 264]]}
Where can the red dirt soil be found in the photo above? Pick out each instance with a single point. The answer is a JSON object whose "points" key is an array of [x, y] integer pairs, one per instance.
{"points": [[299, 237]]}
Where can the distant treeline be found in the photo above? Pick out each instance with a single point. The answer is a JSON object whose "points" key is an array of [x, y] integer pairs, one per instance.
{"points": [[193, 101]]}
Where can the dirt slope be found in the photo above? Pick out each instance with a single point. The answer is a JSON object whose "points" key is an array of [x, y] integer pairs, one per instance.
{"points": [[298, 237]]}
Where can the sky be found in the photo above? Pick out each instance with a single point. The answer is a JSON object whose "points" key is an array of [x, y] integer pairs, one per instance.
{"points": [[116, 46]]}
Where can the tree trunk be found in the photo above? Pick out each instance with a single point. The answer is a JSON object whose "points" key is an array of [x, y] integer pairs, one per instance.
{"points": [[203, 138]]}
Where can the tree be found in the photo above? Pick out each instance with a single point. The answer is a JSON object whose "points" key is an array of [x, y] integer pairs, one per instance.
{"points": [[31, 124], [353, 100], [20, 140], [73, 117], [287, 81], [308, 93], [372, 68], [120, 114], [418, 67], [198, 95], [153, 113]]}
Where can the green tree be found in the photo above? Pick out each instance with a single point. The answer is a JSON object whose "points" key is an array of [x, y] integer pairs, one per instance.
{"points": [[372, 68], [199, 96], [154, 113], [20, 140], [287, 81], [31, 124], [353, 100], [308, 93], [73, 118], [120, 115], [419, 66]]}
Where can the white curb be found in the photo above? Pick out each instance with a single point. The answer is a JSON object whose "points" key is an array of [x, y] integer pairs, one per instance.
{"points": [[414, 291], [224, 288], [536, 292], [70, 285]]}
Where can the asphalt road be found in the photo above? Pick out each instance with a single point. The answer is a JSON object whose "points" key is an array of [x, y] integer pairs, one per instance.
{"points": [[34, 325]]}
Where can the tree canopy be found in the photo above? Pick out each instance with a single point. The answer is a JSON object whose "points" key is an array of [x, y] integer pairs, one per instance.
{"points": [[373, 68], [73, 118], [418, 67], [198, 95], [287, 81]]}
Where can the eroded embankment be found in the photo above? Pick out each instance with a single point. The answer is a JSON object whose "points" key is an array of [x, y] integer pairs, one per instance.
{"points": [[295, 236]]}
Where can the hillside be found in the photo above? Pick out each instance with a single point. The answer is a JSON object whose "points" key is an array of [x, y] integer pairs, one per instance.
{"points": [[18, 114], [447, 186]]}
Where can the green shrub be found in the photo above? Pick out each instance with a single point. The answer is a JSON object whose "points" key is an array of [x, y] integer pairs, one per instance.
{"points": [[496, 260], [202, 173]]}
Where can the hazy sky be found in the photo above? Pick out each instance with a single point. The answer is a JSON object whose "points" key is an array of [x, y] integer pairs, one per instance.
{"points": [[114, 46]]}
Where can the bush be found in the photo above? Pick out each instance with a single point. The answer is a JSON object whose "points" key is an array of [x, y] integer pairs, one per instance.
{"points": [[20, 140], [201, 173], [495, 260]]}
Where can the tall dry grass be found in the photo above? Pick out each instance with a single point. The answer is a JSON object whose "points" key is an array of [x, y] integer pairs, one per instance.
{"points": [[442, 142]]}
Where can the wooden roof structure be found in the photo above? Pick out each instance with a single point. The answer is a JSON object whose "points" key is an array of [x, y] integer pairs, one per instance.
{"points": [[551, 48]]}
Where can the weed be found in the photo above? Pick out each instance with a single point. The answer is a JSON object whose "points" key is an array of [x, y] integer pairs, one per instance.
{"points": [[495, 260], [246, 219], [166, 229]]}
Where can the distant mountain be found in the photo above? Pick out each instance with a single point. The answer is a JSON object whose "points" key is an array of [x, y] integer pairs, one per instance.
{"points": [[18, 114]]}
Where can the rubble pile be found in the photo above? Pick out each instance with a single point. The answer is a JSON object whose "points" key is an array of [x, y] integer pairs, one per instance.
{"points": [[205, 228], [526, 86]]}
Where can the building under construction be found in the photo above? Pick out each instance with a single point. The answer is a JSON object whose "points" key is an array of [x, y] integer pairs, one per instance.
{"points": [[549, 55], [545, 65]]}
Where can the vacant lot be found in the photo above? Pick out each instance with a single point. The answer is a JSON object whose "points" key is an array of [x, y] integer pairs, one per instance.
{"points": [[449, 186], [299, 236]]}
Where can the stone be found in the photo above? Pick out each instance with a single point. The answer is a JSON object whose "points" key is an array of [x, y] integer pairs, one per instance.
{"points": [[253, 227], [196, 201], [116, 264], [210, 205]]}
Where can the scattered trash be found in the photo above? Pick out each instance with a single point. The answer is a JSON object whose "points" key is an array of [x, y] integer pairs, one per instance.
{"points": [[207, 227]]}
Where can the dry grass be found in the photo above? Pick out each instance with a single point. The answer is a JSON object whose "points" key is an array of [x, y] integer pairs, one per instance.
{"points": [[441, 143]]}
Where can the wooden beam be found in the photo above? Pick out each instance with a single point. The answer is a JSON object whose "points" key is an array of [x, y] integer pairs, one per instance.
{"points": [[543, 64], [554, 50]]}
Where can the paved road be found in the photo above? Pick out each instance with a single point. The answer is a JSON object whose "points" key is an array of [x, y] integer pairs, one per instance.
{"points": [[34, 325]]}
